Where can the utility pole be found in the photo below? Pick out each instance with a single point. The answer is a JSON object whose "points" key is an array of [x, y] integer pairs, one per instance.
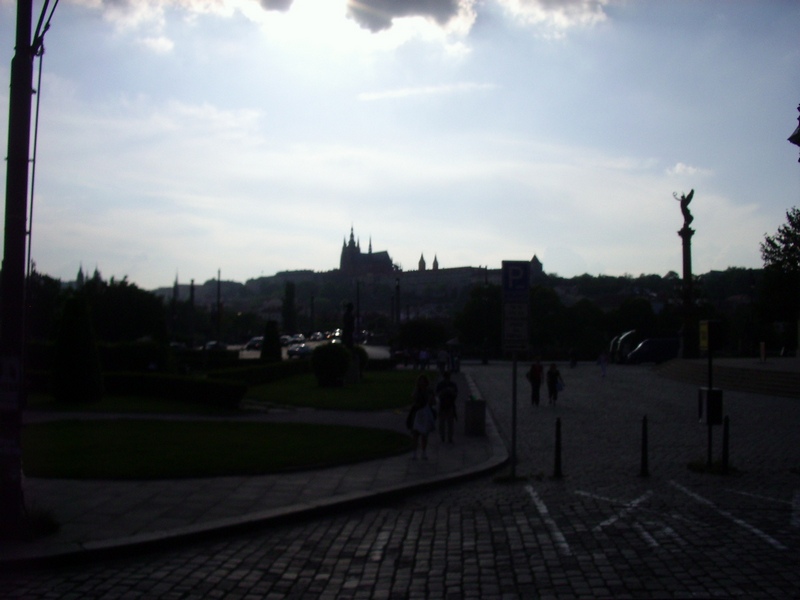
{"points": [[12, 297]]}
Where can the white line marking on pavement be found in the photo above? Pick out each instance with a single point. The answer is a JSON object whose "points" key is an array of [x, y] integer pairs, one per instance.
{"points": [[377, 550], [561, 541], [760, 497], [651, 541], [598, 497], [629, 507], [744, 524]]}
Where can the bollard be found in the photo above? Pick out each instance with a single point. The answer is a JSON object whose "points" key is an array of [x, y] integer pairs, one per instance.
{"points": [[557, 474], [725, 439], [645, 471]]}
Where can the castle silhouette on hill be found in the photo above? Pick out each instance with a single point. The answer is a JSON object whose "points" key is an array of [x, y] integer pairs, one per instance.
{"points": [[355, 263], [376, 279]]}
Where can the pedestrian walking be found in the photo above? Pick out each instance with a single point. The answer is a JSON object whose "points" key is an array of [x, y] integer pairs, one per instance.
{"points": [[447, 392], [442, 361], [421, 419], [424, 359], [555, 384], [534, 376]]}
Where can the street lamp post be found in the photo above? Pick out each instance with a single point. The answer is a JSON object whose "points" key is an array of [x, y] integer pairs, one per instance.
{"points": [[397, 300], [358, 309], [12, 300], [485, 297], [795, 137]]}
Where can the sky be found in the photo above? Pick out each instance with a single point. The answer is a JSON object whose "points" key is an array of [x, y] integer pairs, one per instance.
{"points": [[179, 138]]}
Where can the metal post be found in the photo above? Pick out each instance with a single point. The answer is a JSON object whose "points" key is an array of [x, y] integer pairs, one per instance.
{"points": [[645, 470], [709, 460], [725, 442], [514, 416], [485, 298], [557, 474], [12, 300]]}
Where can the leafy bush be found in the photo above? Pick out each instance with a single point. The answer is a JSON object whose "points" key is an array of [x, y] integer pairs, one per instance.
{"points": [[136, 356], [262, 373], [330, 363], [381, 364], [77, 376]]}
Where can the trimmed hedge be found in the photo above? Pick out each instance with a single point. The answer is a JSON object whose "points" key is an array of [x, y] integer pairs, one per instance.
{"points": [[129, 356], [263, 372], [330, 363], [211, 392]]}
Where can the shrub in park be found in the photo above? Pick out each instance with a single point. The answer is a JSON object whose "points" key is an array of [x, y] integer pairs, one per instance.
{"points": [[77, 376], [330, 363], [271, 346], [363, 357]]}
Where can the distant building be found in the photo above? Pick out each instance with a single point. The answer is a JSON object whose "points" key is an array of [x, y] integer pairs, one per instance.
{"points": [[354, 263]]}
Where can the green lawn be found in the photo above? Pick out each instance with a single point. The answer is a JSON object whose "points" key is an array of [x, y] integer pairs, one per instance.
{"points": [[127, 405], [152, 449], [377, 391], [157, 449]]}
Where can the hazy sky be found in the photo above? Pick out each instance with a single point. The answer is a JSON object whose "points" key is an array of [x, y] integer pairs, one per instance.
{"points": [[179, 137]]}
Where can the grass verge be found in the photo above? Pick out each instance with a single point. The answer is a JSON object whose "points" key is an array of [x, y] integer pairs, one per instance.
{"points": [[150, 449], [379, 390], [126, 404]]}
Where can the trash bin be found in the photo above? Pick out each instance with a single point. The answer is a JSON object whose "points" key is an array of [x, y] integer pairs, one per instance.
{"points": [[475, 417]]}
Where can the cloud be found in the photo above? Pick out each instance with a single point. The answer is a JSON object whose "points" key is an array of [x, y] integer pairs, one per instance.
{"points": [[158, 44], [432, 90], [377, 15], [556, 16], [680, 169], [279, 5]]}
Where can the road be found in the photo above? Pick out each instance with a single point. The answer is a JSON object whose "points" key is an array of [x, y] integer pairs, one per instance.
{"points": [[601, 530]]}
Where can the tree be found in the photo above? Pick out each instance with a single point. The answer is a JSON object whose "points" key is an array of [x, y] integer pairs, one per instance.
{"points": [[782, 250], [77, 376], [289, 310], [271, 344], [423, 333], [479, 323], [781, 255]]}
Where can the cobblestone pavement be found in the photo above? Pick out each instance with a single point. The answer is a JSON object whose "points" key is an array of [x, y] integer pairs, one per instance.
{"points": [[600, 531]]}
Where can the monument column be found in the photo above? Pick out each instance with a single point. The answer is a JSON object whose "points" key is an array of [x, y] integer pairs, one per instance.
{"points": [[689, 345], [690, 334]]}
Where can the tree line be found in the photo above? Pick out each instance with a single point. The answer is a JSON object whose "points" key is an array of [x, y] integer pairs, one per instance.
{"points": [[578, 315]]}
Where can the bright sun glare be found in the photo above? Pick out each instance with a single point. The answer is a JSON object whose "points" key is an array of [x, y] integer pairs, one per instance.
{"points": [[323, 26]]}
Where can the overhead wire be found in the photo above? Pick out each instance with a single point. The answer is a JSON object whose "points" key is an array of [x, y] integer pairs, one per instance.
{"points": [[37, 46]]}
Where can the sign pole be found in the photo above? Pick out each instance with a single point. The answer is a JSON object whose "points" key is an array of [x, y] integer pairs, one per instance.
{"points": [[514, 416], [516, 301]]}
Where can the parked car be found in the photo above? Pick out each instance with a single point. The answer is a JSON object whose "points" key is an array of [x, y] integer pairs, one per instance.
{"points": [[299, 351], [286, 340], [655, 350], [215, 346], [255, 343]]}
